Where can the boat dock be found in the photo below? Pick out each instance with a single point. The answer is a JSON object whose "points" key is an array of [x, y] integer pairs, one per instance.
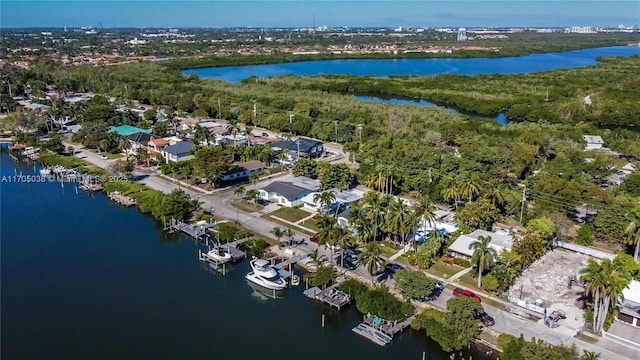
{"points": [[372, 334], [90, 183], [197, 231], [331, 296], [120, 199], [389, 328]]}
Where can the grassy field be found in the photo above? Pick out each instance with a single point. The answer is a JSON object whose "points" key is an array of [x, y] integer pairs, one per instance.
{"points": [[290, 214], [311, 224], [389, 250], [246, 206], [444, 270], [284, 225]]}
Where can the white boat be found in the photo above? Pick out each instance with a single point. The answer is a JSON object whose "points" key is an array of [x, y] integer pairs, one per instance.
{"points": [[265, 275], [218, 254], [45, 172]]}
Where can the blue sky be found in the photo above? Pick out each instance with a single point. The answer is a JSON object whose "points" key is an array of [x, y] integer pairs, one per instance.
{"points": [[332, 13]]}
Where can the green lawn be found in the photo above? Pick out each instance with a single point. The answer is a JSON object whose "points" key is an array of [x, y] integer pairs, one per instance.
{"points": [[444, 270], [245, 205], [283, 225], [290, 214], [311, 224], [388, 250]]}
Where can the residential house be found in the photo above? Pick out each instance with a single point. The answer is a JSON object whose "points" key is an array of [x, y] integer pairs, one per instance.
{"points": [[308, 148], [617, 178], [342, 201], [460, 247], [178, 152], [306, 183], [126, 130], [243, 171], [155, 146], [139, 140], [630, 307], [284, 193], [593, 142]]}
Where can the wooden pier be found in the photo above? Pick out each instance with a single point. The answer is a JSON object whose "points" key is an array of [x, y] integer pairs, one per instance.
{"points": [[389, 328], [331, 296], [197, 231], [120, 199], [372, 334], [232, 247]]}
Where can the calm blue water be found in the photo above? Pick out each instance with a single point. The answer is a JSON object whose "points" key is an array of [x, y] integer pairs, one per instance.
{"points": [[83, 278], [500, 119], [382, 68]]}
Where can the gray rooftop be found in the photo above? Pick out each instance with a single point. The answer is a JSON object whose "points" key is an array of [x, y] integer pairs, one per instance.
{"points": [[288, 190], [180, 148], [498, 242]]}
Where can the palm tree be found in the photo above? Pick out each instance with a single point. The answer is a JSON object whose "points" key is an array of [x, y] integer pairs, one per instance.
{"points": [[253, 178], [494, 194], [396, 216], [590, 355], [371, 257], [325, 226], [373, 205], [248, 132], [633, 231], [290, 234], [483, 255], [315, 257], [452, 193], [239, 190], [343, 238], [277, 232], [325, 199], [233, 127], [199, 135], [468, 189], [605, 281]]}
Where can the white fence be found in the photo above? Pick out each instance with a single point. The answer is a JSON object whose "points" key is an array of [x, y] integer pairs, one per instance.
{"points": [[526, 305], [585, 250]]}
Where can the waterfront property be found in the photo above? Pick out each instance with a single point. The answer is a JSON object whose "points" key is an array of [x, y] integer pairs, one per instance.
{"points": [[197, 231], [460, 247], [284, 193]]}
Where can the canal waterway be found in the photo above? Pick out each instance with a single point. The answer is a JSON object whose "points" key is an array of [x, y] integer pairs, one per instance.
{"points": [[83, 278]]}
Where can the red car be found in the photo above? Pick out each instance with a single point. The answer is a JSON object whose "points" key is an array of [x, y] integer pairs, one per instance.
{"points": [[466, 293], [313, 239]]}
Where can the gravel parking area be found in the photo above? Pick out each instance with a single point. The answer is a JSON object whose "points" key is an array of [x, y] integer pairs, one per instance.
{"points": [[547, 279]]}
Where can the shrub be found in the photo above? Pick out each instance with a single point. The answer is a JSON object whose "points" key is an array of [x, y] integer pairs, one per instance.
{"points": [[461, 262], [257, 247], [585, 235], [489, 283], [226, 232], [447, 260]]}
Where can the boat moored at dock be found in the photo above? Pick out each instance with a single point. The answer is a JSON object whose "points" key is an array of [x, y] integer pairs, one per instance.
{"points": [[265, 275]]}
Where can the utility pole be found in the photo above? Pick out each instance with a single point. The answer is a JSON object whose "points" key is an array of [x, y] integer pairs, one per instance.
{"points": [[291, 114], [335, 124], [524, 189], [360, 132]]}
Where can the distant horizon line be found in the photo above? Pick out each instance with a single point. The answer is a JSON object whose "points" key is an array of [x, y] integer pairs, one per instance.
{"points": [[310, 27]]}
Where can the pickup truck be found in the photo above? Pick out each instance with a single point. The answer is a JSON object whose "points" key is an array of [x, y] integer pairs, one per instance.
{"points": [[466, 293]]}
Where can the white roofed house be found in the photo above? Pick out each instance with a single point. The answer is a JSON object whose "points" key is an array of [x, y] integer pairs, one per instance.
{"points": [[630, 307], [460, 247], [594, 142]]}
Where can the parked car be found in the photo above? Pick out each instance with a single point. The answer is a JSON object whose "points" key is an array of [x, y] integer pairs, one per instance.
{"points": [[466, 293], [265, 134], [262, 202], [347, 264], [434, 295], [313, 239], [104, 157], [486, 319], [393, 268], [439, 286]]}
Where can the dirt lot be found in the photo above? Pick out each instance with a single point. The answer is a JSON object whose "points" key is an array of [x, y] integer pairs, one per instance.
{"points": [[548, 279]]}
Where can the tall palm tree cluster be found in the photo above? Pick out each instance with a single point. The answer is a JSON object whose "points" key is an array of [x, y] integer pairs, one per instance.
{"points": [[605, 282], [375, 218]]}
